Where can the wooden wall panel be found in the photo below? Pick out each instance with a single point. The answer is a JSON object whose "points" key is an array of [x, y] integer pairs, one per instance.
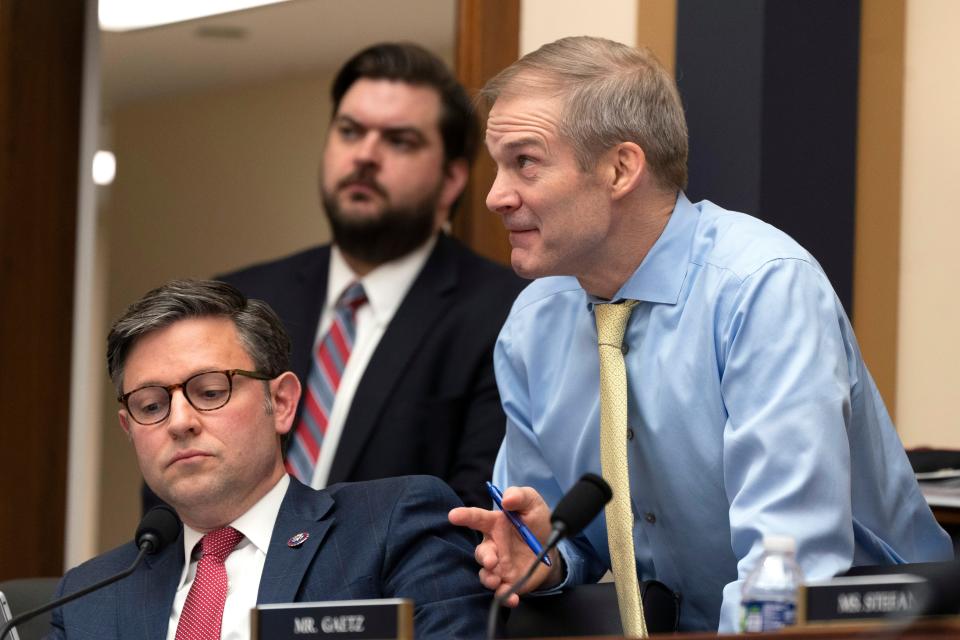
{"points": [[876, 267], [657, 29], [41, 56], [488, 37]]}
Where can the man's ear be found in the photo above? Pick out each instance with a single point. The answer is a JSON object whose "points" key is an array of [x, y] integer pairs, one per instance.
{"points": [[124, 421], [455, 176], [628, 163], [285, 395]]}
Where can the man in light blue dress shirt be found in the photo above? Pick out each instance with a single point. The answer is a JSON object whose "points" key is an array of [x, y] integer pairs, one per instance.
{"points": [[751, 411]]}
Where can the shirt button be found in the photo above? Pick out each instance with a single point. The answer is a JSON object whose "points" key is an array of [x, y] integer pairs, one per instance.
{"points": [[629, 433], [649, 517], [624, 348]]}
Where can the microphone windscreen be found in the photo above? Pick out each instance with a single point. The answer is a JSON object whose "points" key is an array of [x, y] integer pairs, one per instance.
{"points": [[159, 527], [582, 503]]}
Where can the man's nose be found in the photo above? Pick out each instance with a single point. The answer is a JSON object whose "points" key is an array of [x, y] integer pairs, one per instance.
{"points": [[502, 198], [183, 418], [368, 149]]}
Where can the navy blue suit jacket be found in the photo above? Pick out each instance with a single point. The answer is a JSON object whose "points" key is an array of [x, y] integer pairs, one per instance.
{"points": [[427, 402], [380, 539]]}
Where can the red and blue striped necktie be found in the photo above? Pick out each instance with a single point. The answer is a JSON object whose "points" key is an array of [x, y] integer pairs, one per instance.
{"points": [[329, 361]]}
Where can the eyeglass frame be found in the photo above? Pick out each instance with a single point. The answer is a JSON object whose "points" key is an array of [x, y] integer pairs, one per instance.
{"points": [[230, 373]]}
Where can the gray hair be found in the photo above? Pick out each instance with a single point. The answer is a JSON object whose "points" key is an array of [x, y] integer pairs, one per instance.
{"points": [[260, 330], [611, 93]]}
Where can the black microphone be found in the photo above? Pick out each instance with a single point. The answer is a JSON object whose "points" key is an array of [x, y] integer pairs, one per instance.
{"points": [[576, 509], [158, 528]]}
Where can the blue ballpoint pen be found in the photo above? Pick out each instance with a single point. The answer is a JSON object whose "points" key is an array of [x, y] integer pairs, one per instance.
{"points": [[522, 529]]}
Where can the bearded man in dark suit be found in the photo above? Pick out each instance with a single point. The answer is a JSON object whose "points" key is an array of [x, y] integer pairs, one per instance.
{"points": [[410, 386]]}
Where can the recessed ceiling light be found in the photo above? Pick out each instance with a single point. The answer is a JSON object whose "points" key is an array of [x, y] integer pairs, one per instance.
{"points": [[127, 15], [104, 167]]}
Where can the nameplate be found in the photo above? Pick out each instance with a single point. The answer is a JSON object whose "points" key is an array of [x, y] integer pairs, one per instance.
{"points": [[389, 619], [860, 598]]}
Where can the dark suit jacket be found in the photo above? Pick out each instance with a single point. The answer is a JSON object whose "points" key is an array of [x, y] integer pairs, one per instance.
{"points": [[382, 539], [427, 402]]}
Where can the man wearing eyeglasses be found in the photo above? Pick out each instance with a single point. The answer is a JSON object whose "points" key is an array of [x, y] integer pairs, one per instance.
{"points": [[205, 393]]}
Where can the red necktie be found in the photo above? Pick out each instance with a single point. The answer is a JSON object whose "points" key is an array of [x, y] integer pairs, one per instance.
{"points": [[202, 613], [329, 361]]}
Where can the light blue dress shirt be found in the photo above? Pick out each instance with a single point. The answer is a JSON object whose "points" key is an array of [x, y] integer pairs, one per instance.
{"points": [[751, 412]]}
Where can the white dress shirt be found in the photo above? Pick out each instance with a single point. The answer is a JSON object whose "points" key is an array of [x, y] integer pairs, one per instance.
{"points": [[386, 286], [244, 566]]}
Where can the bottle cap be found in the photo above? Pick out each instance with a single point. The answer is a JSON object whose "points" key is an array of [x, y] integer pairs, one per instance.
{"points": [[780, 544]]}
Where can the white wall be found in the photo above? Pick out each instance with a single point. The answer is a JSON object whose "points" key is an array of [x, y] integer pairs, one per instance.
{"points": [[543, 21], [928, 371], [80, 535]]}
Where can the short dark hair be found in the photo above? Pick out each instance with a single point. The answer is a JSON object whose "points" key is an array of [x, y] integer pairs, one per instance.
{"points": [[259, 328], [412, 64]]}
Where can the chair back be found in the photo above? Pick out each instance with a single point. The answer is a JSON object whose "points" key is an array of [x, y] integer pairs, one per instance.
{"points": [[24, 594], [591, 610]]}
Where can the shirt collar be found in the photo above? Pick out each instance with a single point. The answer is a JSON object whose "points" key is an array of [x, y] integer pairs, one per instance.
{"points": [[256, 524], [660, 276], [385, 286]]}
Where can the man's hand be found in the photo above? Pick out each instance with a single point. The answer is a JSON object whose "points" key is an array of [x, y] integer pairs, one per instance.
{"points": [[503, 555]]}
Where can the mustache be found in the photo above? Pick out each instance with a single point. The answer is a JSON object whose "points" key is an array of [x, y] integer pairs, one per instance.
{"points": [[362, 178]]}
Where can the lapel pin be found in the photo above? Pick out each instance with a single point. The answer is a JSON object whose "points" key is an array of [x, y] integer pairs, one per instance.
{"points": [[298, 539]]}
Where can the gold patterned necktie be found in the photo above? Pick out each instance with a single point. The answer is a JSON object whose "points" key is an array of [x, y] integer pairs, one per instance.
{"points": [[611, 324]]}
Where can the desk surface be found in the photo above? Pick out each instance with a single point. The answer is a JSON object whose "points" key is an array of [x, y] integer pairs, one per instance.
{"points": [[935, 629], [946, 515]]}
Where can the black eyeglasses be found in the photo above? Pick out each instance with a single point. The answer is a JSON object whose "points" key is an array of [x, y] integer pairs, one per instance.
{"points": [[205, 391]]}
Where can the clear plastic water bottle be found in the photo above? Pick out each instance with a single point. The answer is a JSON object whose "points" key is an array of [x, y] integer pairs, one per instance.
{"points": [[769, 598]]}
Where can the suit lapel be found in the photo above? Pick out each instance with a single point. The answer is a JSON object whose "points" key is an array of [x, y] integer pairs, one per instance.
{"points": [[303, 511], [421, 308], [145, 602]]}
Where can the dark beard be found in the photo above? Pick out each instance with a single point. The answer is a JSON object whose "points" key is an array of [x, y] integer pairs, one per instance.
{"points": [[393, 234]]}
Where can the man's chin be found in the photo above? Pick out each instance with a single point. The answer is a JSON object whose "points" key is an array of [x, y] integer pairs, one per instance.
{"points": [[377, 232], [524, 265], [186, 493]]}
